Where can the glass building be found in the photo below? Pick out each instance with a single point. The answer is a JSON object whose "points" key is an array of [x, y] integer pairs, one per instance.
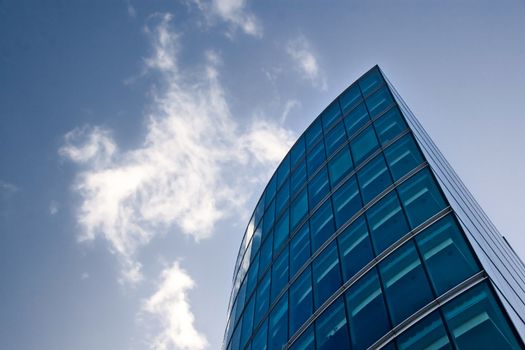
{"points": [[366, 238]]}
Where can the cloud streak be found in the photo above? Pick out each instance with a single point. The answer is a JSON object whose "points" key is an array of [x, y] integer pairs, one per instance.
{"points": [[305, 61]]}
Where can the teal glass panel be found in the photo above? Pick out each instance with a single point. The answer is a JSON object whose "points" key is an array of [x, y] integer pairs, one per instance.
{"points": [[313, 133], [301, 300], [322, 225], [318, 187], [356, 119], [404, 281], [278, 324], [389, 125], [387, 222], [379, 101], [330, 115], [420, 197], [260, 339], [327, 275], [299, 209], [298, 178], [299, 249], [251, 280], [371, 81], [350, 98], [335, 138], [236, 339], [247, 322], [256, 240], [331, 328], [364, 145], [403, 156], [374, 178], [280, 234], [367, 314], [269, 194], [339, 166], [347, 202], [283, 196], [266, 254], [355, 248], [476, 321], [268, 220], [429, 333], [279, 274], [297, 152], [306, 341], [283, 171], [262, 300], [315, 158]]}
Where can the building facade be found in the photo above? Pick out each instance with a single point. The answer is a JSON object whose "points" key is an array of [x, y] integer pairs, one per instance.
{"points": [[366, 238]]}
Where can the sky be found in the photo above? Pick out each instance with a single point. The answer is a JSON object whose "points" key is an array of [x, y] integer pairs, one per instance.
{"points": [[136, 138]]}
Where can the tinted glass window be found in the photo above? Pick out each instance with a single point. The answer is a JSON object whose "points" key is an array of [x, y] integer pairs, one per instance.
{"points": [[356, 119], [299, 209], [268, 220], [263, 298], [355, 248], [259, 211], [259, 341], [339, 166], [347, 201], [298, 177], [389, 125], [429, 333], [281, 232], [315, 158], [247, 322], [282, 197], [251, 280], [278, 324], [283, 171], [270, 190], [335, 138], [305, 341], [374, 178], [350, 98], [236, 338], [297, 152], [240, 300], [327, 277], [318, 187], [256, 239], [266, 254], [331, 114], [379, 101], [331, 328], [322, 225], [363, 145], [299, 249], [403, 156], [301, 300], [313, 133], [371, 81], [279, 274]]}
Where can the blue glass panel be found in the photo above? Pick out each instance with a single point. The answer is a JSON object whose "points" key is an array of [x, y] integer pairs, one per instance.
{"points": [[298, 177], [347, 201], [442, 245], [335, 138], [306, 341], [247, 322], [297, 152], [299, 249], [280, 234], [355, 248], [327, 275], [283, 196], [429, 333], [259, 211], [241, 297], [256, 239], [278, 324], [279, 274], [299, 209], [356, 119], [251, 280], [270, 191], [406, 286], [318, 187], [476, 321], [403, 156], [367, 314], [371, 81], [350, 98], [263, 298], [374, 178], [421, 197], [364, 145], [301, 300], [313, 134], [389, 125], [266, 254], [269, 219], [339, 166], [379, 101], [331, 330], [260, 340], [236, 339], [322, 225], [283, 170], [330, 115], [387, 222], [315, 158]]}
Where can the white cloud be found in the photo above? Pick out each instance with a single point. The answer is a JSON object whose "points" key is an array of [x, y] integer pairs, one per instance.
{"points": [[53, 207], [170, 305], [288, 106], [7, 187], [306, 62]]}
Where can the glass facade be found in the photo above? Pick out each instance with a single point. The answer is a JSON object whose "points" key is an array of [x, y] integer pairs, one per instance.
{"points": [[355, 243]]}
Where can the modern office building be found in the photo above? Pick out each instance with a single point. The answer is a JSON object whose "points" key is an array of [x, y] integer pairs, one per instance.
{"points": [[366, 238]]}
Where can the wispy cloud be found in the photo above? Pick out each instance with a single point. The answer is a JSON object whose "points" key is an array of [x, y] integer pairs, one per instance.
{"points": [[7, 187], [288, 106], [53, 207], [305, 61]]}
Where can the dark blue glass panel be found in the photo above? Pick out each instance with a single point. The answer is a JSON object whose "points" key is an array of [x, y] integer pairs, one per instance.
{"points": [[256, 240], [301, 300], [379, 101], [350, 98], [355, 248], [327, 275], [403, 156], [387, 222], [331, 330], [263, 298], [318, 187], [339, 166], [247, 322], [298, 178], [306, 341], [236, 339], [260, 340], [330, 115], [322, 225], [315, 158], [280, 234], [364, 145], [299, 209], [429, 333], [279, 274], [270, 191], [297, 152], [251, 280], [299, 249], [313, 133], [266, 254], [406, 286], [283, 171], [389, 125], [371, 81], [259, 211], [356, 119], [347, 201], [442, 245], [241, 297], [421, 197], [335, 138], [278, 324], [374, 178], [283, 196], [367, 314], [269, 219]]}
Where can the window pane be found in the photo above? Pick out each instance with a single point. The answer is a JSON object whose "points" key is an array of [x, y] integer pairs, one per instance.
{"points": [[297, 152], [266, 255], [282, 197], [355, 248], [270, 191], [279, 274], [379, 101], [371, 81], [263, 298], [350, 98], [322, 225], [420, 197], [347, 201], [278, 325], [476, 321], [327, 278], [259, 211], [374, 178], [356, 119], [406, 286], [387, 222], [335, 138], [283, 171], [331, 114], [299, 249], [367, 313], [298, 177], [389, 125], [403, 156], [313, 133], [251, 280], [256, 239], [315, 158], [339, 166], [259, 341], [281, 232], [364, 145], [429, 333], [331, 328], [236, 338], [299, 209], [318, 187], [268, 220], [247, 322], [301, 300], [305, 341]]}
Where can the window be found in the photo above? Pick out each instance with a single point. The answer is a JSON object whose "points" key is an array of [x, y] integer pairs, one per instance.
{"points": [[350, 98], [476, 321], [318, 187], [374, 178], [279, 274], [389, 125], [278, 324], [313, 133], [299, 249], [379, 101], [240, 300], [298, 177], [256, 239], [263, 298], [406, 286], [283, 171], [327, 278], [364, 145], [355, 248], [315, 158], [266, 255], [331, 328], [339, 166], [236, 338], [247, 322], [281, 232], [356, 119], [322, 225], [297, 152], [299, 209], [259, 211], [429, 333], [403, 156], [335, 138], [387, 222], [371, 81], [260, 339], [251, 280], [301, 300], [347, 201], [270, 190], [367, 315], [282, 197], [331, 114], [268, 221], [420, 197], [305, 341]]}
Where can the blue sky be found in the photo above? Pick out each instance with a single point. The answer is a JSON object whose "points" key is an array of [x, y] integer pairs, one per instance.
{"points": [[135, 138]]}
